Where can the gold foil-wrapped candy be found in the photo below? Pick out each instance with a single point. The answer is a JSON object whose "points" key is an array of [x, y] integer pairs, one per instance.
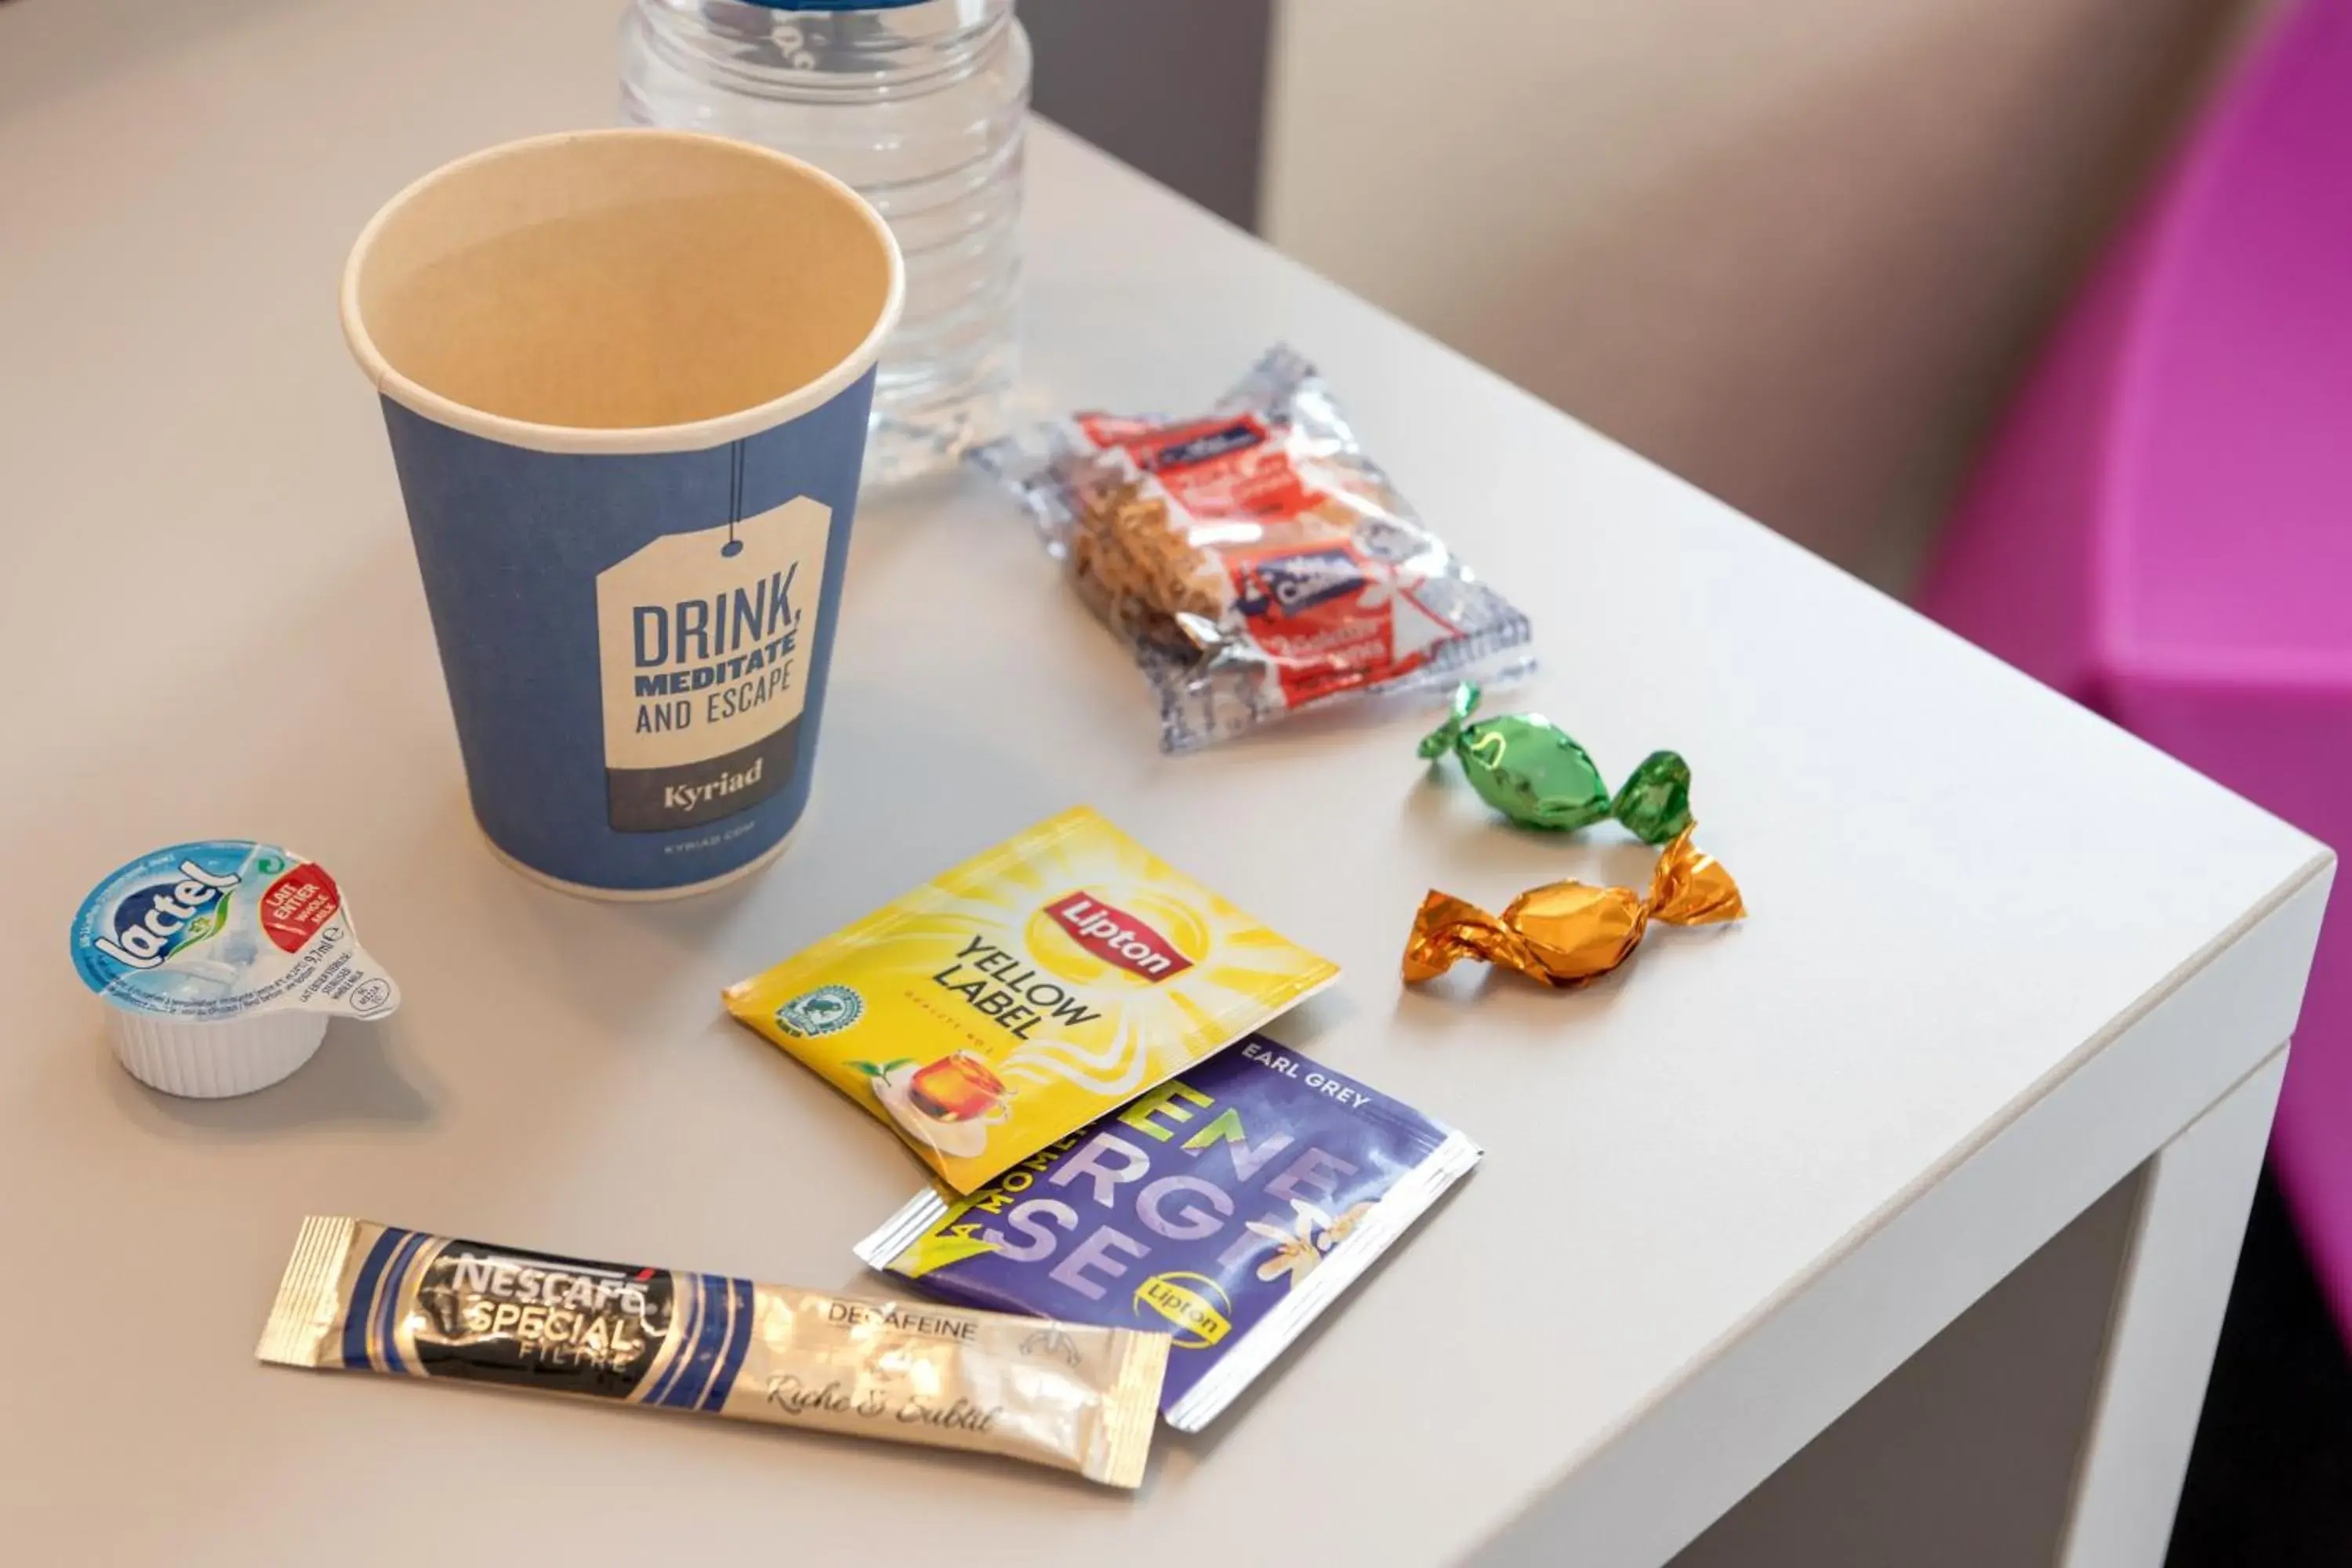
{"points": [[1566, 934]]}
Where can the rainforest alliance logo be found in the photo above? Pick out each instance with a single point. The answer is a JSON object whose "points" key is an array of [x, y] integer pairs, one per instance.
{"points": [[827, 1010]]}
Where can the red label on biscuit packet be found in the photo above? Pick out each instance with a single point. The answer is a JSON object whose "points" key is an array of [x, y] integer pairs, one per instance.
{"points": [[298, 904], [1331, 620]]}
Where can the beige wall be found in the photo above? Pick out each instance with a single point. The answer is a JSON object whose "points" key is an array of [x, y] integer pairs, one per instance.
{"points": [[1794, 250]]}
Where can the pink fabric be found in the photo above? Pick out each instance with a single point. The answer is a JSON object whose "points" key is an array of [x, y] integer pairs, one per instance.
{"points": [[2163, 527]]}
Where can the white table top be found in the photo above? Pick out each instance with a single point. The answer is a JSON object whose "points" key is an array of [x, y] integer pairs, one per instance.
{"points": [[1960, 883]]}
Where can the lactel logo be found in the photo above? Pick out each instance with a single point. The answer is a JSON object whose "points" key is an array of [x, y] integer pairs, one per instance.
{"points": [[1118, 938], [156, 923]]}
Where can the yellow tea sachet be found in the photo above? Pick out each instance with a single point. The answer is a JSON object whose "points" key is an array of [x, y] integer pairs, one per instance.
{"points": [[1012, 1000]]}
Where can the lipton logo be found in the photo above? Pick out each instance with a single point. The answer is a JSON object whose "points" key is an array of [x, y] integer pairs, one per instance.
{"points": [[1118, 938]]}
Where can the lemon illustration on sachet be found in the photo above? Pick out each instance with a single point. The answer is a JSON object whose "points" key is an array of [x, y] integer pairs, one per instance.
{"points": [[947, 1105]]}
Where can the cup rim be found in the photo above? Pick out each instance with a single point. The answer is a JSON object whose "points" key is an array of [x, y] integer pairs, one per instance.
{"points": [[693, 436]]}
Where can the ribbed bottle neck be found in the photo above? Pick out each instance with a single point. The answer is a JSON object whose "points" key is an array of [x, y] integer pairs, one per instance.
{"points": [[829, 57]]}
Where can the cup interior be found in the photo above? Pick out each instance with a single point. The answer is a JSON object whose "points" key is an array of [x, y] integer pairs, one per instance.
{"points": [[620, 279]]}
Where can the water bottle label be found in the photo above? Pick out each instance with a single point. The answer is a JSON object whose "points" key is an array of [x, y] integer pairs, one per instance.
{"points": [[226, 927], [704, 639]]}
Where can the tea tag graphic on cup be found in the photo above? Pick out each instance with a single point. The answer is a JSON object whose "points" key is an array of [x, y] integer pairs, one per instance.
{"points": [[704, 646]]}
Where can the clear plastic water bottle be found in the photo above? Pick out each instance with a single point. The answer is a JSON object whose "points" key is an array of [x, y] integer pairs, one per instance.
{"points": [[919, 105]]}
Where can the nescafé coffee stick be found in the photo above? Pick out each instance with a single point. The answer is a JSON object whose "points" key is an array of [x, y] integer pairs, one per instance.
{"points": [[372, 1298]]}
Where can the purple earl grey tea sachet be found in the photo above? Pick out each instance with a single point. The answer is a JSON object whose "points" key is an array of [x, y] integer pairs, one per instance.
{"points": [[1230, 1206]]}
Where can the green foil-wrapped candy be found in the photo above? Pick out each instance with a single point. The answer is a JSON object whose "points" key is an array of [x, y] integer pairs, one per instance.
{"points": [[1533, 772], [1522, 765], [1653, 802]]}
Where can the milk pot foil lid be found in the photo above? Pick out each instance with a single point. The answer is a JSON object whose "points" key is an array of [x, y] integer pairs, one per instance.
{"points": [[225, 929]]}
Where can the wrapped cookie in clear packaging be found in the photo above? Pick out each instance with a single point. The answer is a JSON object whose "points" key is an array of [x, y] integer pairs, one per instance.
{"points": [[1255, 560]]}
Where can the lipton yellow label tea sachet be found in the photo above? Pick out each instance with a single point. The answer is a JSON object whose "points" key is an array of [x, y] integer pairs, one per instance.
{"points": [[1011, 1001]]}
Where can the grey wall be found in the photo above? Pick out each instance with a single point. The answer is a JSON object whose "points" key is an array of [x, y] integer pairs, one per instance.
{"points": [[1177, 89], [1797, 253]]}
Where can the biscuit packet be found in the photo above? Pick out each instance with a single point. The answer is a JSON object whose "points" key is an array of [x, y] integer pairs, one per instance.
{"points": [[1230, 1207], [1255, 560], [1013, 1000]]}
